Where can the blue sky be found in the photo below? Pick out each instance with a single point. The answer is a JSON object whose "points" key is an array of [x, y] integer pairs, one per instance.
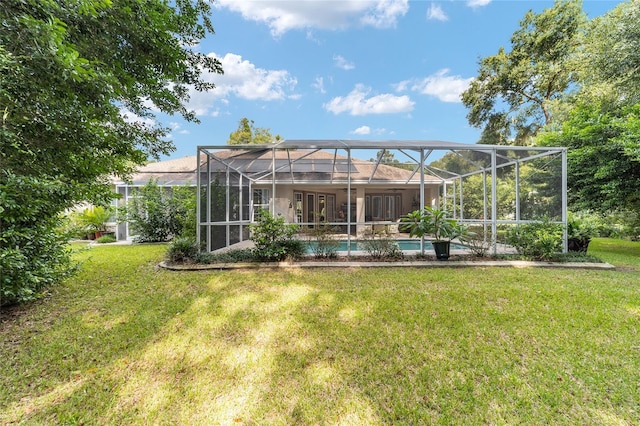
{"points": [[382, 69]]}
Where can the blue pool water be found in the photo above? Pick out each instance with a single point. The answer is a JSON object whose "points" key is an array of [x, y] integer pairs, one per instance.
{"points": [[405, 245]]}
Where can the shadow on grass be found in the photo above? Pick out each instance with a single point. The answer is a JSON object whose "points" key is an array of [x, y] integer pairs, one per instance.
{"points": [[125, 343]]}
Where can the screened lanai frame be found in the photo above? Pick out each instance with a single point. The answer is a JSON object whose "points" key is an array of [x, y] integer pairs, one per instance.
{"points": [[276, 166]]}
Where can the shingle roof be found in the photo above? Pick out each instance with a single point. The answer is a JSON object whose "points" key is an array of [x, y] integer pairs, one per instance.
{"points": [[314, 167], [318, 166]]}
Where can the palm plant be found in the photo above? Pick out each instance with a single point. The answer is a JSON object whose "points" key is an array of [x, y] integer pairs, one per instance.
{"points": [[432, 221]]}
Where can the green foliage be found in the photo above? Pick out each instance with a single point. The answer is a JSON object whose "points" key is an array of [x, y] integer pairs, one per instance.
{"points": [[603, 159], [478, 241], [182, 249], [157, 213], [324, 244], [512, 95], [95, 218], [184, 210], [608, 62], [462, 162], [381, 245], [432, 221], [618, 224], [33, 254], [247, 134], [74, 79], [539, 240], [273, 238], [582, 225], [71, 226], [231, 256], [106, 239]]}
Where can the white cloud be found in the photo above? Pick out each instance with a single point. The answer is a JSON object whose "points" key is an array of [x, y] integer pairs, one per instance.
{"points": [[366, 130], [477, 3], [357, 103], [342, 63], [385, 14], [436, 12], [362, 130], [244, 80], [282, 16], [445, 87], [319, 85]]}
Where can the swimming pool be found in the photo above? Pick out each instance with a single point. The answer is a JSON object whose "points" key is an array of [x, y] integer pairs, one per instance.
{"points": [[405, 245]]}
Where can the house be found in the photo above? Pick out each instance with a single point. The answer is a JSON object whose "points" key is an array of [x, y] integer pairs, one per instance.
{"points": [[311, 187], [305, 186], [328, 181]]}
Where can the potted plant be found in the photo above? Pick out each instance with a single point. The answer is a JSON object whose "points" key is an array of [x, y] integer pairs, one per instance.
{"points": [[579, 233], [95, 220], [433, 221]]}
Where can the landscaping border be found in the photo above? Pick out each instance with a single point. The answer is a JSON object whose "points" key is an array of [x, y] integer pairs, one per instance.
{"points": [[382, 264]]}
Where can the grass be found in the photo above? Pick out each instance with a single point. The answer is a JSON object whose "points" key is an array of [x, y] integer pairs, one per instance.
{"points": [[127, 343]]}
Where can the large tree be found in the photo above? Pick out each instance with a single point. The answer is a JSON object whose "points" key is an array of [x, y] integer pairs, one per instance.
{"points": [[512, 96], [610, 57], [604, 157], [78, 80], [601, 121]]}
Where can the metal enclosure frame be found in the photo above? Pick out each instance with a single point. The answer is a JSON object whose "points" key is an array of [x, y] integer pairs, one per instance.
{"points": [[240, 178]]}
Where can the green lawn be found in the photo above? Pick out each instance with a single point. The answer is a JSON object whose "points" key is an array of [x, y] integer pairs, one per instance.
{"points": [[127, 343]]}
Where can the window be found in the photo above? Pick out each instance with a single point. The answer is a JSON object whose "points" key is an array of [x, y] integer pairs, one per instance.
{"points": [[377, 207], [261, 198], [297, 198], [389, 210], [331, 207]]}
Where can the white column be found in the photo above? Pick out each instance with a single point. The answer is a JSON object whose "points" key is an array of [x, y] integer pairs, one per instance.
{"points": [[360, 209]]}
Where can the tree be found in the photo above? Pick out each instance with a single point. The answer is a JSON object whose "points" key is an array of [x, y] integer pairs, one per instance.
{"points": [[73, 78], [603, 159], [512, 96], [247, 134], [608, 63], [157, 214], [611, 53]]}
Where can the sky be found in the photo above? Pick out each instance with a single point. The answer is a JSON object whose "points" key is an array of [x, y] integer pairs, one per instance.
{"points": [[348, 69]]}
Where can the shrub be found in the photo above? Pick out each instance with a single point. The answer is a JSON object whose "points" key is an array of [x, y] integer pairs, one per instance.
{"points": [[381, 245], [33, 253], [273, 238], [620, 224], [539, 240], [106, 239], [158, 214], [230, 256], [325, 246], [478, 242], [182, 249], [183, 208]]}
